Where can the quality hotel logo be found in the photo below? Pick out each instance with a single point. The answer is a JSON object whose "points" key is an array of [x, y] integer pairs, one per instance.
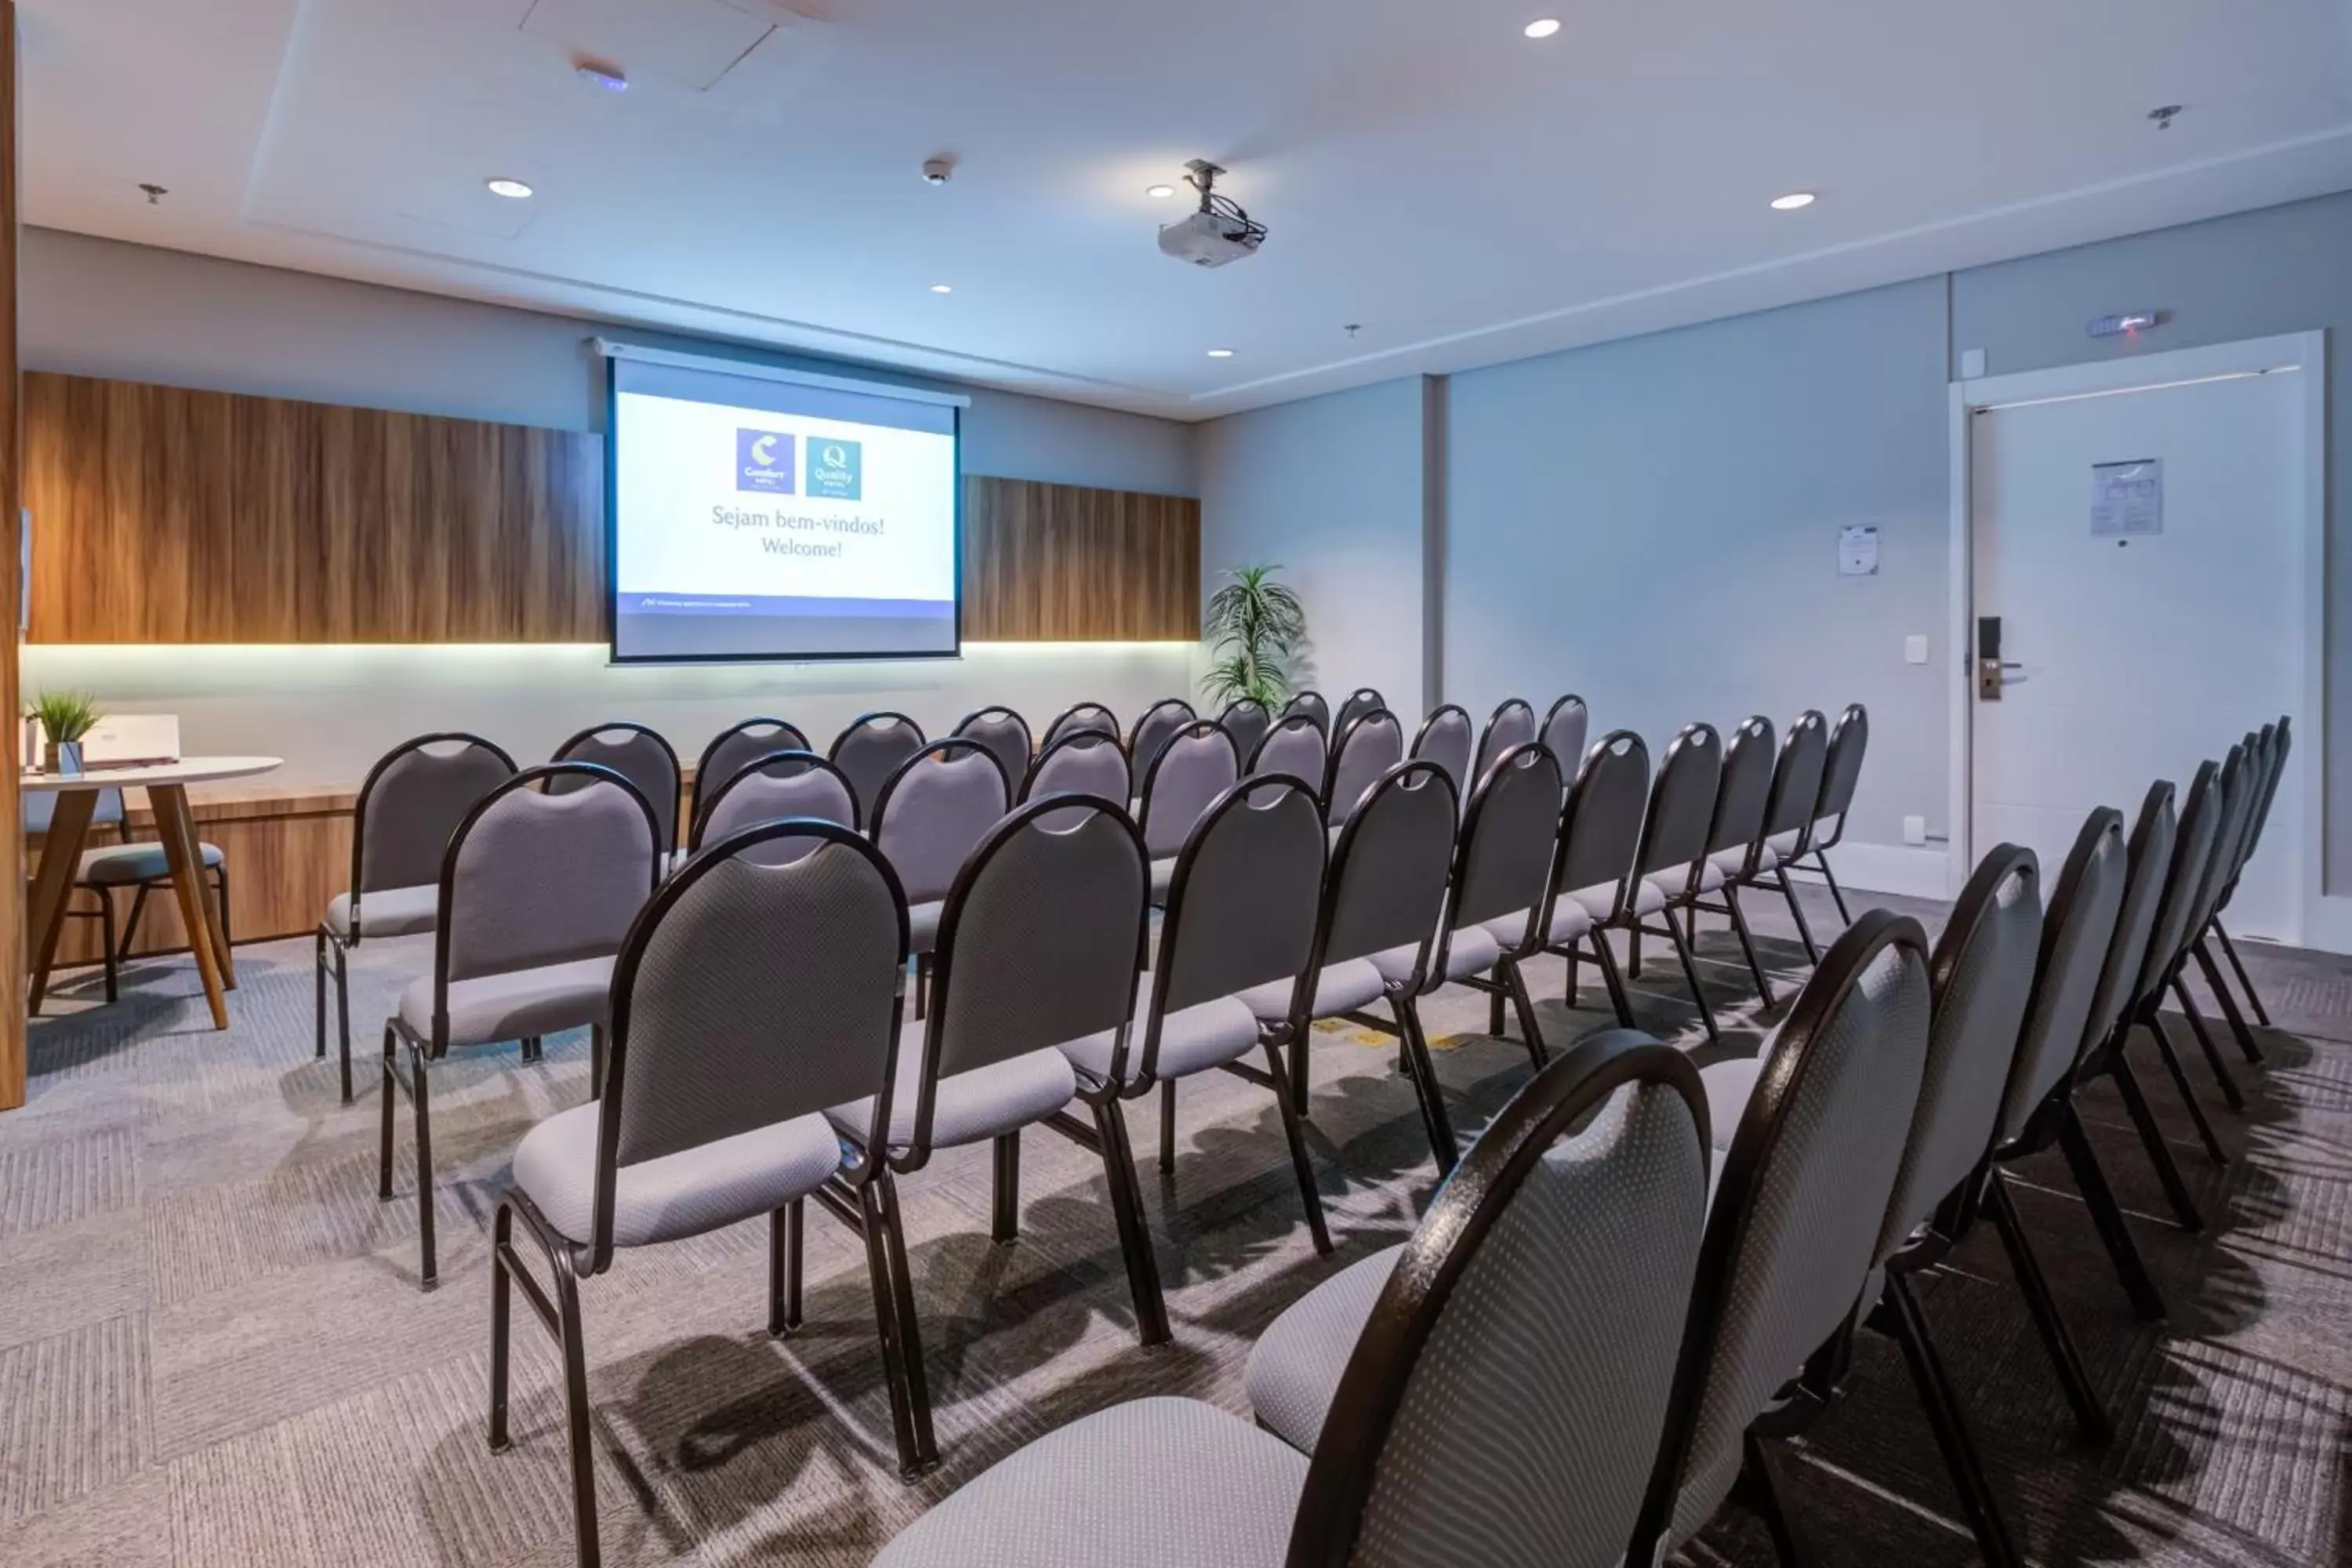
{"points": [[763, 461]]}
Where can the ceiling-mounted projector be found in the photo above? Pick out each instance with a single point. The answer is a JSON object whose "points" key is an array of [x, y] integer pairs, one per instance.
{"points": [[1219, 232]]}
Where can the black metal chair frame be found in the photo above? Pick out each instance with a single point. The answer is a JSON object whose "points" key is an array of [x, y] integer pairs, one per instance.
{"points": [[1338, 747], [1597, 937], [2280, 733], [805, 760], [865, 1201], [699, 792], [1197, 730], [1626, 917], [1018, 790], [1288, 721], [425, 1049], [115, 950], [1507, 981], [2263, 753], [1361, 701], [935, 751], [1312, 703], [1055, 732], [1747, 731], [886, 717], [1853, 728], [1135, 737], [1479, 762], [326, 940], [564, 754]]}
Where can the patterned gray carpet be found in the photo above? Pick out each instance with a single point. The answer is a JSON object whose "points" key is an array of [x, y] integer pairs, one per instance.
{"points": [[213, 1348]]}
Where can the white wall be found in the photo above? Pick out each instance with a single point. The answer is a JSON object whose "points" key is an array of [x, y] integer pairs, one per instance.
{"points": [[95, 307], [1332, 489]]}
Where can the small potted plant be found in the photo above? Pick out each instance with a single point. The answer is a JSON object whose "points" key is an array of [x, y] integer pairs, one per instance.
{"points": [[1256, 627], [65, 718]]}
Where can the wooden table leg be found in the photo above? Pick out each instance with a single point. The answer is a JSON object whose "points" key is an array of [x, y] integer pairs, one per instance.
{"points": [[174, 825], [53, 883]]}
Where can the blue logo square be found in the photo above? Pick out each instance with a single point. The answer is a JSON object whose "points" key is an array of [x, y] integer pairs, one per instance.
{"points": [[763, 461], [836, 469]]}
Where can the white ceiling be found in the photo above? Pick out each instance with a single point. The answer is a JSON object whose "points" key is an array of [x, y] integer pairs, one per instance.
{"points": [[1465, 194]]}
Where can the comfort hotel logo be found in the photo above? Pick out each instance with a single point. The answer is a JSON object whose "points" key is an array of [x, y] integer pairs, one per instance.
{"points": [[763, 461]]}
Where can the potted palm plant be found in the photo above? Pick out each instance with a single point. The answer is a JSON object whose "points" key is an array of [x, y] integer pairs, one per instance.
{"points": [[1256, 627], [65, 717]]}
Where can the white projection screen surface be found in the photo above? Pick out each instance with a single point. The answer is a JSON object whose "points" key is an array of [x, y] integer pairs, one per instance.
{"points": [[765, 515]]}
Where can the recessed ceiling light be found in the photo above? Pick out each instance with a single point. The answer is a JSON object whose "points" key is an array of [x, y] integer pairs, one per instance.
{"points": [[942, 287], [513, 190], [1221, 354], [1160, 192], [1543, 27], [1793, 200]]}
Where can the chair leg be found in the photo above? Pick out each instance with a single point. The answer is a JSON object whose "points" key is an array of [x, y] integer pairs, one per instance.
{"points": [[1134, 1236], [343, 1014], [1747, 942], [2231, 1095], [428, 1275], [1495, 1004], [130, 923], [318, 976], [501, 1320], [1575, 982], [2151, 1138], [1004, 1189], [2245, 982], [1690, 973], [2165, 1048], [1944, 1418], [1168, 1125], [1633, 951], [1758, 1490], [893, 1320], [220, 890], [596, 1051], [2248, 1046], [1433, 1120], [1523, 1006], [534, 1047], [1797, 913], [2091, 1421], [1309, 1194], [106, 942], [575, 1404], [1822, 862], [2109, 1216], [383, 1151], [784, 1229], [1615, 981]]}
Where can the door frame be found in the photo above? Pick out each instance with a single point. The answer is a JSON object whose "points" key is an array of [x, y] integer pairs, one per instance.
{"points": [[2324, 922]]}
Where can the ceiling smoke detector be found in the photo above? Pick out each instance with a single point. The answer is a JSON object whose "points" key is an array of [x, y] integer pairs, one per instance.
{"points": [[938, 170]]}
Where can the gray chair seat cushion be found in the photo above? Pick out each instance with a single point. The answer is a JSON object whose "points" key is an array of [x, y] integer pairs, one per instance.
{"points": [[1474, 950], [1342, 988], [923, 925], [1732, 862], [1163, 873], [387, 911], [1294, 1368], [1674, 883], [1729, 1085], [1782, 844], [1599, 902], [542, 1001], [1173, 1483], [680, 1194], [1571, 921], [127, 865], [969, 1107], [1192, 1039]]}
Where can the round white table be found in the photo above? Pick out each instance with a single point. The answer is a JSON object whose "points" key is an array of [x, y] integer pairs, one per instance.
{"points": [[166, 784]]}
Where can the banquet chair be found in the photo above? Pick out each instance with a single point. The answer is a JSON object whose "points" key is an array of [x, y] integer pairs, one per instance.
{"points": [[1741, 800], [1565, 728], [1670, 865], [1599, 828], [1446, 738], [771, 789], [2229, 861], [140, 866], [1458, 1431], [1246, 720], [931, 813], [1191, 774], [2282, 747], [870, 750], [537, 891], [1360, 702], [639, 754], [1370, 745], [1082, 762], [1310, 703], [1512, 723], [1788, 812], [1825, 829], [729, 750], [1161, 722], [1296, 747], [1081, 719], [409, 804], [760, 986], [2192, 852], [1005, 734]]}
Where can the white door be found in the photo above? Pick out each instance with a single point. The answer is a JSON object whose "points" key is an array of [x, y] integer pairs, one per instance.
{"points": [[2138, 654]]}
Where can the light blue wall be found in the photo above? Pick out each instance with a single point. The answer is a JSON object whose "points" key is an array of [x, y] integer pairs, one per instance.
{"points": [[1332, 488], [1653, 523]]}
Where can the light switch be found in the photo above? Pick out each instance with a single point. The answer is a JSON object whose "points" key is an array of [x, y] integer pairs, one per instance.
{"points": [[1914, 650], [1915, 830]]}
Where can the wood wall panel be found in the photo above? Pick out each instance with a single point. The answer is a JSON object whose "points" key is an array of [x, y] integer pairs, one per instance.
{"points": [[12, 861], [167, 515], [1052, 562]]}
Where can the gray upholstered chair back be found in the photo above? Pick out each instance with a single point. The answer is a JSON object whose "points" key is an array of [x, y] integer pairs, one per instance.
{"points": [[1371, 744], [1195, 766], [934, 811], [2282, 748], [1799, 1206], [1387, 887], [2184, 879], [1565, 728], [2077, 929], [1504, 1402], [413, 800], [1038, 941], [1084, 761], [1360, 702], [870, 750], [1005, 734], [1246, 720], [1504, 859], [1979, 981], [2151, 862], [41, 809], [639, 755], [1081, 719], [759, 987], [1242, 902], [1161, 722], [1842, 771], [1311, 704], [1447, 738], [1682, 807], [773, 789], [1797, 775], [2261, 763], [1745, 787], [535, 877], [1295, 746], [1513, 723], [732, 747], [1601, 824], [2237, 801]]}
